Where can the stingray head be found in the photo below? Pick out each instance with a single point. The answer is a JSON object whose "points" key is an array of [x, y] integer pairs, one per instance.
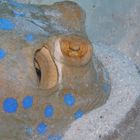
{"points": [[70, 50]]}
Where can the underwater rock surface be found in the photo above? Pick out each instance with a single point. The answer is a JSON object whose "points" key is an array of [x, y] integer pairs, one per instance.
{"points": [[50, 75]]}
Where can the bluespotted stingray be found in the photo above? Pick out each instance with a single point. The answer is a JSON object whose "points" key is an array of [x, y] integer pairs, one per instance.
{"points": [[50, 75]]}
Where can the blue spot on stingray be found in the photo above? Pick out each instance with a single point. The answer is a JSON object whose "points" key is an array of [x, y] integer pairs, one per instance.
{"points": [[49, 111], [78, 114], [56, 137], [42, 128], [2, 54], [29, 37], [27, 102], [106, 87], [18, 13], [69, 99], [10, 105], [6, 24]]}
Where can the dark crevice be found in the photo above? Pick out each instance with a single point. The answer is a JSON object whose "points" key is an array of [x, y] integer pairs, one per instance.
{"points": [[38, 71]]}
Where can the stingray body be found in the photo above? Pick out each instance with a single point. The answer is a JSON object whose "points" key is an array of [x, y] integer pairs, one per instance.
{"points": [[49, 73]]}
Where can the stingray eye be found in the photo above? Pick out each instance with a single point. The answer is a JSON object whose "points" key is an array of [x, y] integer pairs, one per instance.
{"points": [[75, 48]]}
